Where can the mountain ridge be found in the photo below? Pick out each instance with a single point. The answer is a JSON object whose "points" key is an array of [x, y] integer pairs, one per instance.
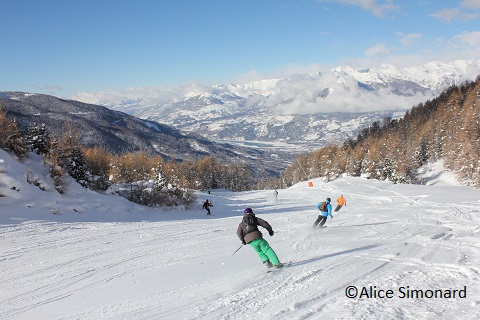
{"points": [[302, 110], [119, 132]]}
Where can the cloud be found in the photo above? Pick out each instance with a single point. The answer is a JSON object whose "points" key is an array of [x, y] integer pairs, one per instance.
{"points": [[148, 95], [471, 4], [470, 39], [378, 8], [448, 15], [302, 94], [380, 49], [407, 39], [293, 69], [336, 90], [249, 76], [47, 89], [53, 88]]}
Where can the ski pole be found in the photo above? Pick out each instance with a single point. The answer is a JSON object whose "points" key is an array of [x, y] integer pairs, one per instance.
{"points": [[233, 254]]}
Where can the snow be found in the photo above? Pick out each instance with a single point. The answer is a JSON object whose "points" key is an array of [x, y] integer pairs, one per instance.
{"points": [[85, 255], [434, 173]]}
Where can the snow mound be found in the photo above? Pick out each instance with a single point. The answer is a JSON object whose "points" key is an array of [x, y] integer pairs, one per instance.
{"points": [[436, 174]]}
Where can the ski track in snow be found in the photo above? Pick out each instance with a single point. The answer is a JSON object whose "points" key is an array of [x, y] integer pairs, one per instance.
{"points": [[387, 236]]}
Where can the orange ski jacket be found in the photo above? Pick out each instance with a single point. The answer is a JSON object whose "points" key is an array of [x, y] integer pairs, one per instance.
{"points": [[341, 201]]}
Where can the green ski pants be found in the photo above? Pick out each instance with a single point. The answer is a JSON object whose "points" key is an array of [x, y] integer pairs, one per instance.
{"points": [[265, 252]]}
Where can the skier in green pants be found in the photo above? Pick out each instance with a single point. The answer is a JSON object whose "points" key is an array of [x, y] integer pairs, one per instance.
{"points": [[248, 232]]}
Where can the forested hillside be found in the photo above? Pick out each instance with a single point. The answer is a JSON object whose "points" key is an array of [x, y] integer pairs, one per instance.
{"points": [[446, 128]]}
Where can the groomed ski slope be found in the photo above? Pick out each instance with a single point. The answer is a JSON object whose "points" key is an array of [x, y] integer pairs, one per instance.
{"points": [[101, 257]]}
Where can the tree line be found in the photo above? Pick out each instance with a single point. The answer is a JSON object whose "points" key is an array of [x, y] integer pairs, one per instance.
{"points": [[446, 128], [142, 177]]}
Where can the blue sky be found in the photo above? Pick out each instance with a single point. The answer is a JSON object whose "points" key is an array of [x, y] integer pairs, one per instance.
{"points": [[85, 48]]}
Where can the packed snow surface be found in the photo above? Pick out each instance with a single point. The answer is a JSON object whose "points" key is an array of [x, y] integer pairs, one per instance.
{"points": [[84, 255]]}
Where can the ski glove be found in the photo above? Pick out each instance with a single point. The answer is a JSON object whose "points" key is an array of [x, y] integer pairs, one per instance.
{"points": [[243, 242], [270, 233]]}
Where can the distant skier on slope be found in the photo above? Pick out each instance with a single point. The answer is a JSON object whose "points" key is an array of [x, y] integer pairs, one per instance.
{"points": [[206, 205], [325, 209], [340, 203], [248, 232]]}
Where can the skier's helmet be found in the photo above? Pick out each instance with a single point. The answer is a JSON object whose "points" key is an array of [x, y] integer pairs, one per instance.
{"points": [[329, 200], [248, 211]]}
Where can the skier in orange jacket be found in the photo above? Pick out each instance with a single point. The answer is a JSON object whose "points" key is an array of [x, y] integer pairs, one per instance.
{"points": [[340, 203]]}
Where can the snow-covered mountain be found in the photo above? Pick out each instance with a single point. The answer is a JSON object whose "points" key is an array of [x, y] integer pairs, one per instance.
{"points": [[118, 132], [302, 109]]}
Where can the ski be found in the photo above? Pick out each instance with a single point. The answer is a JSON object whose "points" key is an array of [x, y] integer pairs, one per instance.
{"points": [[284, 265]]}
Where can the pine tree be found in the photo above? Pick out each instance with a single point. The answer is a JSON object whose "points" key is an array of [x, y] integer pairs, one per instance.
{"points": [[76, 164], [38, 139], [158, 178]]}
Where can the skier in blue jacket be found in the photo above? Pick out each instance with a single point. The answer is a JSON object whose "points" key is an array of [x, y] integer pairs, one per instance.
{"points": [[325, 209]]}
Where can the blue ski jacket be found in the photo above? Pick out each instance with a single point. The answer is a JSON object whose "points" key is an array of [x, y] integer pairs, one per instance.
{"points": [[325, 213]]}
